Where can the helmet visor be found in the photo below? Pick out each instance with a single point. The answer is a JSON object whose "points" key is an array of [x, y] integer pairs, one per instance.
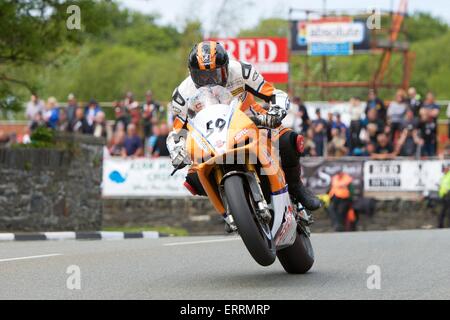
{"points": [[212, 77]]}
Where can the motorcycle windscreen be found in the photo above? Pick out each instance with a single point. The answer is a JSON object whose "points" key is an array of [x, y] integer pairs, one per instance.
{"points": [[213, 123]]}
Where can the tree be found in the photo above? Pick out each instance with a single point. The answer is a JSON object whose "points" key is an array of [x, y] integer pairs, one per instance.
{"points": [[34, 32]]}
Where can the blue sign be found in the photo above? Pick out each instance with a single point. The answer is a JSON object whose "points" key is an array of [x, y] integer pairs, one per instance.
{"points": [[330, 49]]}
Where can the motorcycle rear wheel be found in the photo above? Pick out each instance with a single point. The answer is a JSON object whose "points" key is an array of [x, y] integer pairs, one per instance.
{"points": [[299, 257], [260, 247]]}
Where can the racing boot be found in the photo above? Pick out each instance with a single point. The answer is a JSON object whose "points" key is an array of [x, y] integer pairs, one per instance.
{"points": [[291, 146], [299, 191]]}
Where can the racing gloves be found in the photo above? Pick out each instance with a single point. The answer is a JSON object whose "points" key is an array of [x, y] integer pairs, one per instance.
{"points": [[272, 119], [178, 152]]}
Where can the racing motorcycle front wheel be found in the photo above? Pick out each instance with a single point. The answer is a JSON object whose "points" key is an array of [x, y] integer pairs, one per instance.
{"points": [[256, 235]]}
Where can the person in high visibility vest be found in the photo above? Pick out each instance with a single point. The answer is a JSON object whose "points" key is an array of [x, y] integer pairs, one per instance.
{"points": [[444, 194], [341, 195]]}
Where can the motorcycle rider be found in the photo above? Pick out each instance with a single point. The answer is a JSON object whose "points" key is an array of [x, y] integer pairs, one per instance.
{"points": [[209, 65]]}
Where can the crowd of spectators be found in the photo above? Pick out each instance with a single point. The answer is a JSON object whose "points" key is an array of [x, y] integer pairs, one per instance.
{"points": [[407, 127], [138, 129]]}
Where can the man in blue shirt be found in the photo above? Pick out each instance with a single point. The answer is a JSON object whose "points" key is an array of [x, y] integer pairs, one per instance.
{"points": [[132, 146]]}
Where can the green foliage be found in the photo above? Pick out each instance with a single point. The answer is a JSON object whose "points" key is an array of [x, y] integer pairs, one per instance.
{"points": [[432, 66], [423, 26], [117, 50], [34, 33], [42, 137], [273, 27]]}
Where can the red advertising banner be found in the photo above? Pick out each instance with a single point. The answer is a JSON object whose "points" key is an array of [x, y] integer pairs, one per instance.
{"points": [[268, 55]]}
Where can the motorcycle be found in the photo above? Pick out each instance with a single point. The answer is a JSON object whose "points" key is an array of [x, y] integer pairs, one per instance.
{"points": [[236, 162]]}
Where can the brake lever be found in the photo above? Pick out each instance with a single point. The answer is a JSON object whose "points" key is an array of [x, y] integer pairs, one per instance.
{"points": [[180, 166]]}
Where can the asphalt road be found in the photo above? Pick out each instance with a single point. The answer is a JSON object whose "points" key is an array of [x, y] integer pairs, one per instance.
{"points": [[413, 265]]}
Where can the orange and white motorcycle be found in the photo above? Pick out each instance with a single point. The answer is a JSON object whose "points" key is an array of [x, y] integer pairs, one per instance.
{"points": [[237, 165]]}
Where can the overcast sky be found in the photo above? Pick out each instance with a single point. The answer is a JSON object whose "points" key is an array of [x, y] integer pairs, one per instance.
{"points": [[250, 12]]}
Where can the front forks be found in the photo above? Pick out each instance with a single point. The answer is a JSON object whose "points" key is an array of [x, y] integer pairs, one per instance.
{"points": [[262, 208]]}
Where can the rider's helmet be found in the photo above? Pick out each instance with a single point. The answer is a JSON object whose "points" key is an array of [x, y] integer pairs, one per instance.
{"points": [[208, 64]]}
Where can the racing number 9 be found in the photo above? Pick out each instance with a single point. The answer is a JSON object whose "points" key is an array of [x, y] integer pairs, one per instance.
{"points": [[220, 124]]}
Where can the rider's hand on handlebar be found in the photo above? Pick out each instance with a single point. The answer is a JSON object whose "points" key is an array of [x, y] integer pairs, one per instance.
{"points": [[272, 118], [181, 159]]}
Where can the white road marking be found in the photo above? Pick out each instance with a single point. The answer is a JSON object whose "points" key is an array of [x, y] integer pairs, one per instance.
{"points": [[32, 257], [201, 242]]}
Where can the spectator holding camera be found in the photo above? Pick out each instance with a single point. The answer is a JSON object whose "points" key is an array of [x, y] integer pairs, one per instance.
{"points": [[409, 141]]}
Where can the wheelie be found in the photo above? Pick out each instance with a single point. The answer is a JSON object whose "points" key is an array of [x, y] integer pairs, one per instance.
{"points": [[242, 158]]}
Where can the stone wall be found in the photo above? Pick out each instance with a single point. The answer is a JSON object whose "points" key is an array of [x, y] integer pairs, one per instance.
{"points": [[52, 189], [198, 217]]}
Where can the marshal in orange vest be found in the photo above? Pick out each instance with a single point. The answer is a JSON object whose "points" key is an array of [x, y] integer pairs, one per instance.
{"points": [[340, 186]]}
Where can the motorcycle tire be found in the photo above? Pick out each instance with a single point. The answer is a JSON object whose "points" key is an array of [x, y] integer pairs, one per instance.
{"points": [[260, 248], [299, 257]]}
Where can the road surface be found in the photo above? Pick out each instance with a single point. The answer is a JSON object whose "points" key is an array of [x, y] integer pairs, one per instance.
{"points": [[413, 265]]}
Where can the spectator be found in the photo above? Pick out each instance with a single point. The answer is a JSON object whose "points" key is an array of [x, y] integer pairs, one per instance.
{"points": [[100, 127], [373, 102], [117, 147], [330, 125], [309, 147], [80, 124], [337, 145], [396, 112], [38, 121], [430, 104], [341, 194], [161, 146], [4, 139], [34, 106], [373, 125], [302, 113], [132, 143], [51, 113], [428, 132], [71, 108], [414, 101], [356, 112], [320, 133], [340, 125], [128, 100], [121, 120], [409, 138], [26, 137], [383, 149], [135, 117], [63, 122], [150, 113], [90, 111], [151, 141], [444, 194]]}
